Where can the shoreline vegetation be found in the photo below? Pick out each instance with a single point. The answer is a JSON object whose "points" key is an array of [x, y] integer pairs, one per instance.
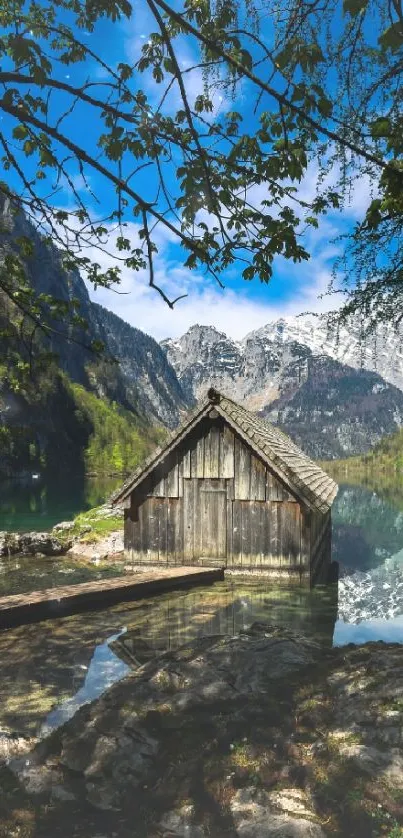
{"points": [[384, 458]]}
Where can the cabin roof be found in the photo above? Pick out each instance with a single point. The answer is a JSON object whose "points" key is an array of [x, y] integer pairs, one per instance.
{"points": [[304, 477]]}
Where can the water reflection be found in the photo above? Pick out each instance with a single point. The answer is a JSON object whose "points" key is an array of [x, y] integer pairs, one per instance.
{"points": [[105, 669], [38, 504], [49, 670], [227, 609], [390, 631], [367, 527]]}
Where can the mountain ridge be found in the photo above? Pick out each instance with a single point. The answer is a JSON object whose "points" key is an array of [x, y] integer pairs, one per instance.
{"points": [[328, 407]]}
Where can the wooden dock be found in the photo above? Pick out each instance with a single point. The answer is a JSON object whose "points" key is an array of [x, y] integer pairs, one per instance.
{"points": [[72, 599]]}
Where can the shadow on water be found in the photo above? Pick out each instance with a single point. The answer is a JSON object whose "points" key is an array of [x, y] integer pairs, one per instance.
{"points": [[49, 670]]}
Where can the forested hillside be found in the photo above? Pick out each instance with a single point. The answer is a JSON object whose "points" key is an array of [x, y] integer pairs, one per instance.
{"points": [[63, 407], [385, 457]]}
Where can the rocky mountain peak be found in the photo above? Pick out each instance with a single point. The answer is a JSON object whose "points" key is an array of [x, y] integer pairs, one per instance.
{"points": [[321, 387]]}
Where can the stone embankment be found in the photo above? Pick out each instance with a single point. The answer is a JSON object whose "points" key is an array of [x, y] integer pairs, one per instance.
{"points": [[262, 735]]}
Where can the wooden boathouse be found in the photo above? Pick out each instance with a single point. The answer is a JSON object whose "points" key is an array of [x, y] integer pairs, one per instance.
{"points": [[229, 489]]}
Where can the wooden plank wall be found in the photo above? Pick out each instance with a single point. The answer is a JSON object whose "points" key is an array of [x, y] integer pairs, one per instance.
{"points": [[216, 453], [321, 544], [265, 534], [265, 523], [154, 531]]}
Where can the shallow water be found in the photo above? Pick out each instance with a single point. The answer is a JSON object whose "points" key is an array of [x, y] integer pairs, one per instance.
{"points": [[48, 670], [20, 574]]}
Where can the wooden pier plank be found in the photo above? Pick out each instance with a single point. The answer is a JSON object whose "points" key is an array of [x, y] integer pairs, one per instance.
{"points": [[51, 603]]}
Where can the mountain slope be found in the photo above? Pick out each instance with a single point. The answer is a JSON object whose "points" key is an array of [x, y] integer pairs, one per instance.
{"points": [[380, 352], [336, 409], [72, 410], [55, 427], [329, 408], [143, 380], [147, 377], [382, 461]]}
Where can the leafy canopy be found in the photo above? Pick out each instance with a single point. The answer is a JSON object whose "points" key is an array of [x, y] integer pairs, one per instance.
{"points": [[300, 81]]}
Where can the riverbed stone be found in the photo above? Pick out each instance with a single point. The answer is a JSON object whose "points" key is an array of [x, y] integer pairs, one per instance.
{"points": [[179, 824], [278, 826], [282, 813], [13, 744]]}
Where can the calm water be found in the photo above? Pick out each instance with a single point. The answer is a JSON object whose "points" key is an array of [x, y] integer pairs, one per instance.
{"points": [[50, 669], [34, 504]]}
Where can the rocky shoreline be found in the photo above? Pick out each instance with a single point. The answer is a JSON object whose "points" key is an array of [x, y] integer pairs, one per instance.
{"points": [[261, 735], [69, 537]]}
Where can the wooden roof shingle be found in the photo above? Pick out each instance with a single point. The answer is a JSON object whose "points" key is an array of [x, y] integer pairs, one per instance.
{"points": [[304, 477]]}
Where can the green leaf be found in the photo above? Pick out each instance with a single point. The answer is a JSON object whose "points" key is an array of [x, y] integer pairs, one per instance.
{"points": [[382, 127], [392, 38], [354, 7], [20, 132]]}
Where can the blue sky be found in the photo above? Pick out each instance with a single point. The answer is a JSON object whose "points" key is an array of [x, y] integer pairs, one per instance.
{"points": [[241, 306]]}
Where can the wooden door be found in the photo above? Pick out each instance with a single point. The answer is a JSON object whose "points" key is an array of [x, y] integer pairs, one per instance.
{"points": [[205, 519]]}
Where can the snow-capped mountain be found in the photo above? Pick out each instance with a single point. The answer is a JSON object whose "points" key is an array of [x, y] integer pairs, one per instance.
{"points": [[381, 351], [334, 393]]}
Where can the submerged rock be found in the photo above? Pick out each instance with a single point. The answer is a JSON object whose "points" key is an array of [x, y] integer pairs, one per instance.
{"points": [[261, 735]]}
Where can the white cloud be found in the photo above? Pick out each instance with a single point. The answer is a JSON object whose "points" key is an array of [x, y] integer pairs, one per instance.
{"points": [[137, 33], [235, 312], [357, 199]]}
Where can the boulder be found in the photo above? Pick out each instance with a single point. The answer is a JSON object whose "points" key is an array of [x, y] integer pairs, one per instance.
{"points": [[287, 813], [32, 543]]}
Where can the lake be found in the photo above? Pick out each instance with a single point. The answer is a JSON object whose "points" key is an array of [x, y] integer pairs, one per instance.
{"points": [[37, 504], [50, 669]]}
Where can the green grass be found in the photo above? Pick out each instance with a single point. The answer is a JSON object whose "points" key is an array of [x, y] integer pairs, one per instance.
{"points": [[100, 527]]}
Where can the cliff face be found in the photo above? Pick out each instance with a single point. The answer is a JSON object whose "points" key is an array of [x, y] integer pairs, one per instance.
{"points": [[46, 275], [329, 408], [380, 352], [142, 380], [146, 374]]}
